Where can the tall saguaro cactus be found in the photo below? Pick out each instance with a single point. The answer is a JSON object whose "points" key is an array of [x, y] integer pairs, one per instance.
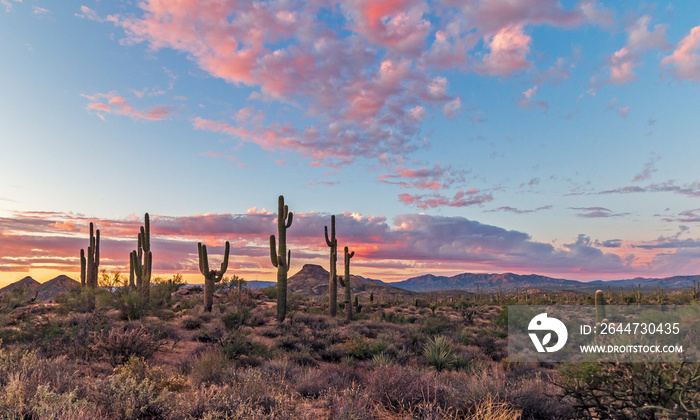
{"points": [[284, 221], [333, 282], [141, 261], [90, 266], [345, 282], [211, 276]]}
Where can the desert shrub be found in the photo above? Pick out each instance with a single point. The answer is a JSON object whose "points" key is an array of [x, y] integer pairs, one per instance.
{"points": [[357, 347], [188, 303], [191, 322], [49, 405], [236, 344], [131, 393], [210, 367], [236, 319], [351, 403], [312, 383], [633, 390], [399, 388], [81, 299], [120, 344], [492, 409], [15, 298], [72, 336], [436, 324], [440, 353], [130, 303], [538, 398], [208, 335], [161, 292], [302, 357], [22, 373], [260, 316], [270, 292]]}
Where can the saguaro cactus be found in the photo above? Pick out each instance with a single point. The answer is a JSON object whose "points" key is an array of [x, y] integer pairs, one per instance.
{"points": [[599, 306], [284, 221], [345, 282], [333, 281], [89, 267], [141, 261], [210, 276]]}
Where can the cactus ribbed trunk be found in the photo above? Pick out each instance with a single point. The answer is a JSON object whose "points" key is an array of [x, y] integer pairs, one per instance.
{"points": [[90, 267], [141, 261], [284, 221], [211, 277], [599, 306], [333, 280], [345, 282]]}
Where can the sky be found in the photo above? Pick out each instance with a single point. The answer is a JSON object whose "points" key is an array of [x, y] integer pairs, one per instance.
{"points": [[449, 136]]}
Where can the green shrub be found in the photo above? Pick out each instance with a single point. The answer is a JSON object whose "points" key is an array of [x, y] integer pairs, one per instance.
{"points": [[440, 353], [132, 394], [236, 319], [191, 322], [120, 344]]}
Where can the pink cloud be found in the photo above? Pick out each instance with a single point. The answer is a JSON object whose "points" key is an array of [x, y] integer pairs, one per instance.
{"points": [[684, 63], [118, 105], [491, 16], [435, 178], [396, 24], [508, 50], [527, 99], [639, 40], [471, 197]]}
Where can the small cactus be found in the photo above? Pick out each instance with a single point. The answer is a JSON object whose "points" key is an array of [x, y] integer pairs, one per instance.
{"points": [[284, 221], [346, 284], [210, 276], [599, 306]]}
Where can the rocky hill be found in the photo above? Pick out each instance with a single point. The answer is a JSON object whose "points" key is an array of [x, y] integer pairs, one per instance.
{"points": [[45, 292], [312, 280], [28, 283], [54, 287]]}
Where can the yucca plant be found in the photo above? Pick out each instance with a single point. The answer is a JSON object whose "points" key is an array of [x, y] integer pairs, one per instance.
{"points": [[382, 359], [440, 353]]}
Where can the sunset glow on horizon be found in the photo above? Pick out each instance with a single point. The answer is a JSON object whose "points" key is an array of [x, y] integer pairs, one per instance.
{"points": [[536, 137]]}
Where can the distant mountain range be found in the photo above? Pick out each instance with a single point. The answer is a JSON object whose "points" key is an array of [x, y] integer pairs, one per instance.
{"points": [[312, 280], [510, 282], [45, 292]]}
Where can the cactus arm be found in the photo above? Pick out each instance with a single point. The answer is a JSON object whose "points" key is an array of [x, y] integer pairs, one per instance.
{"points": [[147, 234], [340, 279], [325, 232], [289, 220], [352, 254], [82, 267], [203, 259], [97, 248], [273, 251], [224, 264]]}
